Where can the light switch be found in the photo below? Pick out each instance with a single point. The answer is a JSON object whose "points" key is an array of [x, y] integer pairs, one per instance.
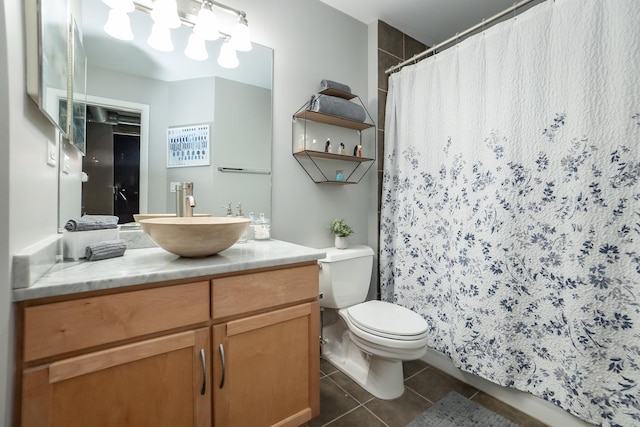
{"points": [[52, 155], [66, 166]]}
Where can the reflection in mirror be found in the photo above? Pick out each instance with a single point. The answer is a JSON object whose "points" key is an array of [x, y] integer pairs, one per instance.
{"points": [[77, 130], [77, 121], [47, 64], [137, 94]]}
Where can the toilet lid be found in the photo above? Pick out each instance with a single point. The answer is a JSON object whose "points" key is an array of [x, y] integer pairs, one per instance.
{"points": [[388, 320]]}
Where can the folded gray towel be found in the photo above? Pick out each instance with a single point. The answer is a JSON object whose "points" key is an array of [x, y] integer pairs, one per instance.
{"points": [[336, 106], [92, 222], [330, 84], [106, 249]]}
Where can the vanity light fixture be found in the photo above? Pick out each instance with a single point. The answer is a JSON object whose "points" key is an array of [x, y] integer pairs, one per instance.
{"points": [[166, 16], [165, 13], [195, 48], [125, 6], [160, 38], [241, 36], [228, 57], [118, 25], [206, 23]]}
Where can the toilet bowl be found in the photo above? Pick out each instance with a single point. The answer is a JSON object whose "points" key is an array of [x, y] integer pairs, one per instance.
{"points": [[368, 341]]}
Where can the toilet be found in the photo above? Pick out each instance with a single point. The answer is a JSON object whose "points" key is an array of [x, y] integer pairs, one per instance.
{"points": [[368, 341]]}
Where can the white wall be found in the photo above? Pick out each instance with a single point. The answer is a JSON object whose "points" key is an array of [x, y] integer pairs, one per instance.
{"points": [[6, 324], [311, 41]]}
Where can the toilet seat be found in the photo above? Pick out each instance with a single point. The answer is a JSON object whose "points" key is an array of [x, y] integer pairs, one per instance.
{"points": [[388, 320], [380, 324]]}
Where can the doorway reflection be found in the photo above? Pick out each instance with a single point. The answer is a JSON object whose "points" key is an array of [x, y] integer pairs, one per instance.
{"points": [[111, 183]]}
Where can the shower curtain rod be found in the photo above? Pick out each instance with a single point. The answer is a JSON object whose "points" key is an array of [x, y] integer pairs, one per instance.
{"points": [[458, 35]]}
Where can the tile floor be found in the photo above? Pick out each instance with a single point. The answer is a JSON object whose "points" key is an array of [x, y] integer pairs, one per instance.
{"points": [[343, 403]]}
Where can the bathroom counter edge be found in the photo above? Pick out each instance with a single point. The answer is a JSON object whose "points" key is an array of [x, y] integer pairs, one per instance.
{"points": [[140, 266]]}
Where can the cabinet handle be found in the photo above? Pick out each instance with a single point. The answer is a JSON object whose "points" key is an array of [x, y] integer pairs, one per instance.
{"points": [[203, 390], [221, 347]]}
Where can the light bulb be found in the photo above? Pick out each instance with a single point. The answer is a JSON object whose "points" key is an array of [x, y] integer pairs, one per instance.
{"points": [[206, 23], [118, 25], [125, 6], [160, 38], [228, 57], [195, 48], [241, 35], [165, 12]]}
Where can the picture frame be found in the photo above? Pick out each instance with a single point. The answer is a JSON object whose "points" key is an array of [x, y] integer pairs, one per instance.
{"points": [[188, 146]]}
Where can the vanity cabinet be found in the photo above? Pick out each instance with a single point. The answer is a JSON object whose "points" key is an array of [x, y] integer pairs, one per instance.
{"points": [[240, 349], [312, 129], [156, 382], [266, 365], [137, 358]]}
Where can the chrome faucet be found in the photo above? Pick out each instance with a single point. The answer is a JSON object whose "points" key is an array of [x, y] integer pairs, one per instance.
{"points": [[185, 202]]}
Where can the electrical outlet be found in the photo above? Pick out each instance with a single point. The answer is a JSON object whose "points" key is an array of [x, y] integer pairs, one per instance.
{"points": [[52, 155], [173, 186]]}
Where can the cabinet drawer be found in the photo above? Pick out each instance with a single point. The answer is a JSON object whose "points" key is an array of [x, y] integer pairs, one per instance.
{"points": [[66, 326], [236, 295]]}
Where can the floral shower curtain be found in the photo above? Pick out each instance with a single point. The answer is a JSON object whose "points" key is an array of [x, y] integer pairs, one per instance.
{"points": [[511, 204]]}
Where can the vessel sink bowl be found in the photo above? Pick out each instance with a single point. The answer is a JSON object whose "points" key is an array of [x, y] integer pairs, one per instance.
{"points": [[139, 216], [195, 236]]}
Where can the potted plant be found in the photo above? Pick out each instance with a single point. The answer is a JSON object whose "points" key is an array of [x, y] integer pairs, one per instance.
{"points": [[341, 230]]}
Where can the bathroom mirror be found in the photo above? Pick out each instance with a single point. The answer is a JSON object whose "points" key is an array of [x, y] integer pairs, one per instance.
{"points": [[140, 88], [47, 36]]}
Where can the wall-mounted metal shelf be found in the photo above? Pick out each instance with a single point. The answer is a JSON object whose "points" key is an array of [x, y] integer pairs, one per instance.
{"points": [[322, 167], [332, 120], [323, 155]]}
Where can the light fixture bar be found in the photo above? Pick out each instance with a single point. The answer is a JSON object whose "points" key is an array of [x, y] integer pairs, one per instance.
{"points": [[188, 19], [204, 28], [228, 8]]}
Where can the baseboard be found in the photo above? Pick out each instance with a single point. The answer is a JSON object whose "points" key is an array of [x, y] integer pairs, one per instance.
{"points": [[534, 406]]}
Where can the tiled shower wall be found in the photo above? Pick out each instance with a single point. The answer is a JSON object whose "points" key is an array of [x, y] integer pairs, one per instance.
{"points": [[393, 47]]}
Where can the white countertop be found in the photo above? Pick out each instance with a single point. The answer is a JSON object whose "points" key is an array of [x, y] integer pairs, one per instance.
{"points": [[139, 266]]}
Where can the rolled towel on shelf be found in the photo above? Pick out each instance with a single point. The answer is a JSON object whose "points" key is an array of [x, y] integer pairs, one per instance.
{"points": [[330, 84], [92, 222], [336, 106], [105, 249]]}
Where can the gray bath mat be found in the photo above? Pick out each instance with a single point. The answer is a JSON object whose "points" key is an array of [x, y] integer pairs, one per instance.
{"points": [[454, 410]]}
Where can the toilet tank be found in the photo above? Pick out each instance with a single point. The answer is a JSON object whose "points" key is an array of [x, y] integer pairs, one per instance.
{"points": [[345, 275]]}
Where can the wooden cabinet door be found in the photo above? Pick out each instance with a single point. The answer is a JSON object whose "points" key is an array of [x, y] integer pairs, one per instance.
{"points": [[158, 382], [266, 368]]}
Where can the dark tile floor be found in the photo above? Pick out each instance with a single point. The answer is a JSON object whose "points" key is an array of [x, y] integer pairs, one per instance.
{"points": [[343, 403]]}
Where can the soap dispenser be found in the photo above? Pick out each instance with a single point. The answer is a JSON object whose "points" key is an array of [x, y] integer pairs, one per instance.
{"points": [[251, 230], [262, 228]]}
